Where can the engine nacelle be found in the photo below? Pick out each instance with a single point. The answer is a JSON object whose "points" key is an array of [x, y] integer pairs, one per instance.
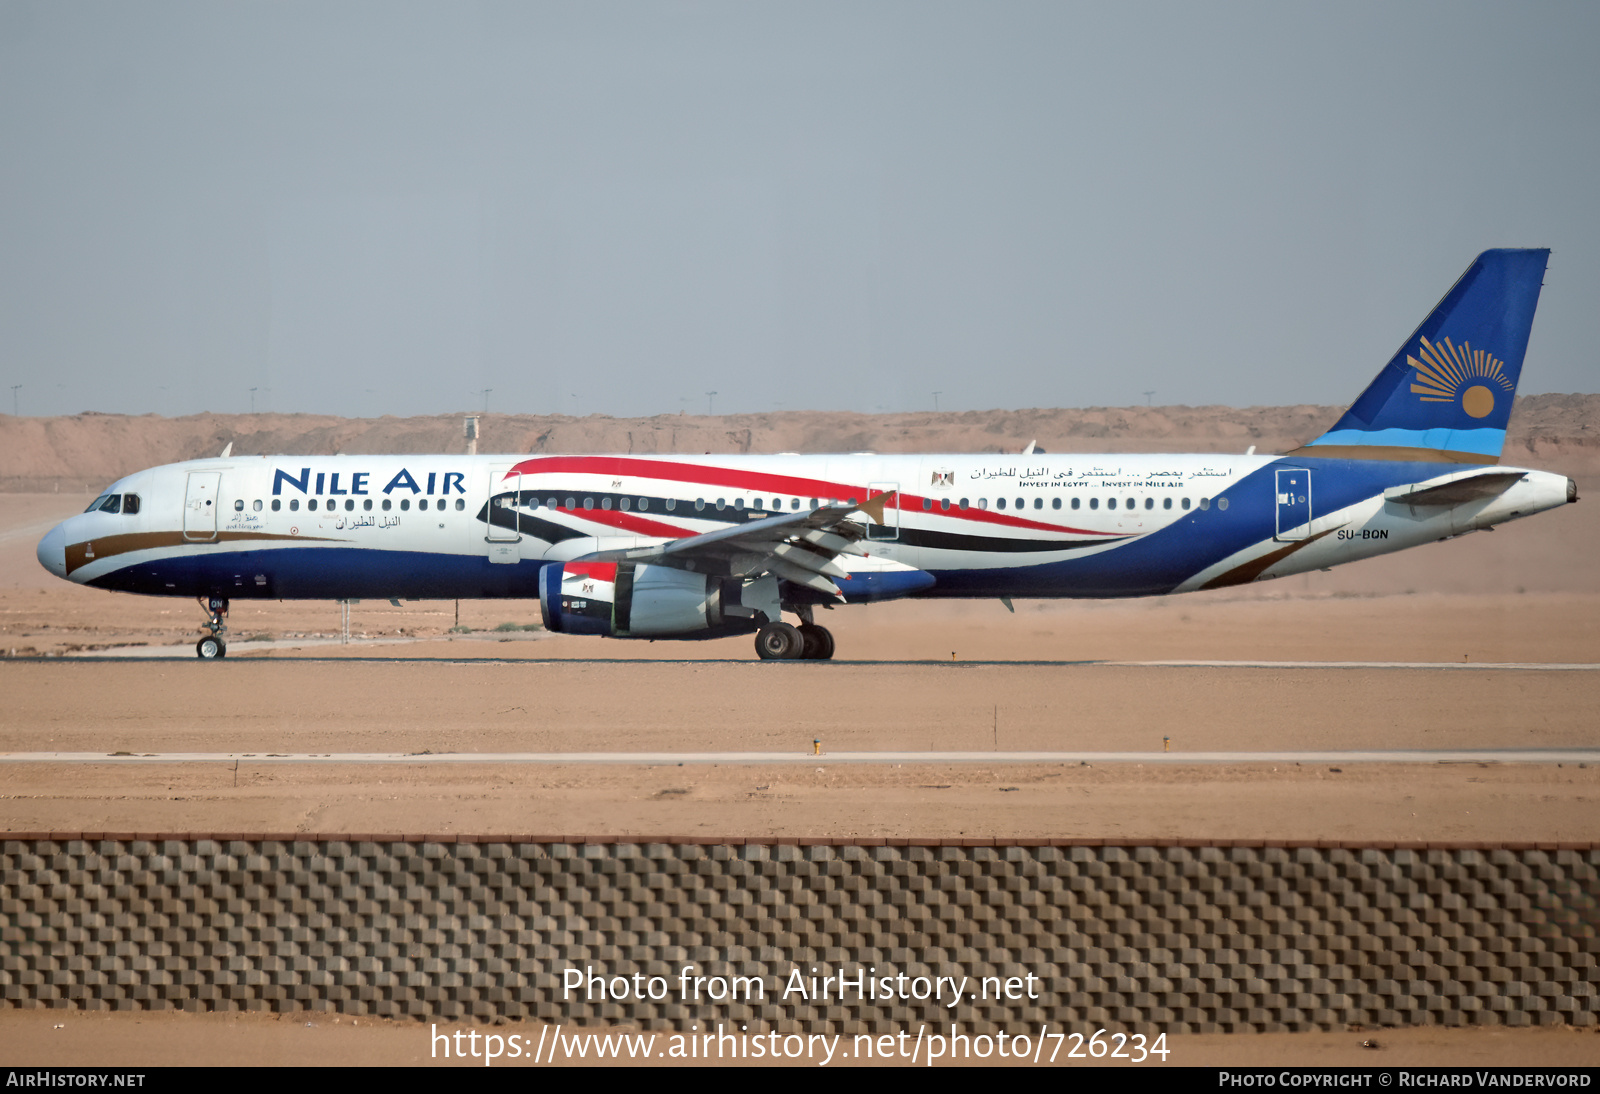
{"points": [[628, 600]]}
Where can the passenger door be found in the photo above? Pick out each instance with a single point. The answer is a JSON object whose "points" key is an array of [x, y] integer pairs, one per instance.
{"points": [[200, 506], [1294, 504], [503, 536]]}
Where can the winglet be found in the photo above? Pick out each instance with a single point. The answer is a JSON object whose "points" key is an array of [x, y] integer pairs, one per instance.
{"points": [[873, 506]]}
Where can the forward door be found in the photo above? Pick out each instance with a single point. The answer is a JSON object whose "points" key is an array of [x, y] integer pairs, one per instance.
{"points": [[200, 506]]}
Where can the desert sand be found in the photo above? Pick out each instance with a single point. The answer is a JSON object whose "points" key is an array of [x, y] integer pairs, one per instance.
{"points": [[962, 676]]}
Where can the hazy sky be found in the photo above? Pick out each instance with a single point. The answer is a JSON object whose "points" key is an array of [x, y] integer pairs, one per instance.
{"points": [[384, 208]]}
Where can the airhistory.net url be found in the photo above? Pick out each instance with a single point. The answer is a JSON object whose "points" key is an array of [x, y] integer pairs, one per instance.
{"points": [[556, 1046]]}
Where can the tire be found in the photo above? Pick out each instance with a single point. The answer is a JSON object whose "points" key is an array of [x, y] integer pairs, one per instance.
{"points": [[818, 642], [778, 642], [210, 648]]}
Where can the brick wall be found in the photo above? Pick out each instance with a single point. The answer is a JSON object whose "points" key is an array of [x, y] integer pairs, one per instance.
{"points": [[1120, 935]]}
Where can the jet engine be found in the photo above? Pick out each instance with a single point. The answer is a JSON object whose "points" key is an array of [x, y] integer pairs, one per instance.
{"points": [[630, 600]]}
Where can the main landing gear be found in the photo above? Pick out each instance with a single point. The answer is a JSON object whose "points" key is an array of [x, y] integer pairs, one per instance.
{"points": [[782, 642], [215, 644]]}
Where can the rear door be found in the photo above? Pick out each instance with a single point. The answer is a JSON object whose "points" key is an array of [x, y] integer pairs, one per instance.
{"points": [[200, 506], [1294, 504]]}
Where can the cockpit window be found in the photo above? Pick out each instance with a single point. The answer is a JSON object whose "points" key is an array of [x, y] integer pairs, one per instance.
{"points": [[130, 503], [113, 504], [97, 503]]}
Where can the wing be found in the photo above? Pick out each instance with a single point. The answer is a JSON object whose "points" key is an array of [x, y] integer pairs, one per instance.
{"points": [[798, 547]]}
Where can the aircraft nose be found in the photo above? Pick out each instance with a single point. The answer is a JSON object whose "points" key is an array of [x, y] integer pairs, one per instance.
{"points": [[52, 550]]}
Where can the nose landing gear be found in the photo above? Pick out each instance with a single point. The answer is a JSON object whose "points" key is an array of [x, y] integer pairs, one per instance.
{"points": [[214, 645]]}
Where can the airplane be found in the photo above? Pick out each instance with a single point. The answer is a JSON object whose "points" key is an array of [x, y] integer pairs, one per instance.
{"points": [[681, 547]]}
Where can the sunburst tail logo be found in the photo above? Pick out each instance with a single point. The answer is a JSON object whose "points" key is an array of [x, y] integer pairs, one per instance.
{"points": [[1448, 399], [1446, 371]]}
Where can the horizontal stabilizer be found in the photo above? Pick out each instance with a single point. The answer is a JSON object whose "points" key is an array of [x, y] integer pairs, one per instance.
{"points": [[1456, 490]]}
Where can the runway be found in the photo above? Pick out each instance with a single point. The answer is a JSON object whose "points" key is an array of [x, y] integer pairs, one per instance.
{"points": [[684, 759], [241, 651]]}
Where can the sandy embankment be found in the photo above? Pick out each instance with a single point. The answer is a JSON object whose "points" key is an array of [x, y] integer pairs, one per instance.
{"points": [[1530, 592]]}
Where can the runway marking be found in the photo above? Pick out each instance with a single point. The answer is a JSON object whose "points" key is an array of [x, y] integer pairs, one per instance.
{"points": [[242, 650], [1523, 666], [680, 759]]}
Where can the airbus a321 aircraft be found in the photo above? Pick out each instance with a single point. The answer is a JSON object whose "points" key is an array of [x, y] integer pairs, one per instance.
{"points": [[686, 547]]}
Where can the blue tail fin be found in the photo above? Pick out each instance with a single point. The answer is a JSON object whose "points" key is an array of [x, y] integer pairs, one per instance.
{"points": [[1446, 395]]}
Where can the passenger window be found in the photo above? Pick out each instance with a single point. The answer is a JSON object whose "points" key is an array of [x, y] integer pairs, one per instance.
{"points": [[386, 504], [311, 506], [699, 505], [572, 503], [1166, 503], [644, 503], [672, 503], [1185, 503], [349, 505], [1055, 503], [777, 505], [738, 503], [605, 503], [813, 503], [794, 503], [1205, 503], [422, 503], [625, 504], [294, 505], [366, 503], [1094, 503], [1111, 503], [999, 503], [963, 503], [256, 505], [1149, 503], [277, 504], [550, 503], [461, 503], [1038, 503], [983, 503], [1222, 503], [238, 505], [927, 504], [405, 503], [944, 503], [1075, 502]]}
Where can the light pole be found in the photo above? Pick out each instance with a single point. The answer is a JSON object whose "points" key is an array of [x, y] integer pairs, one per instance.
{"points": [[1147, 397], [485, 394], [14, 389], [711, 401], [936, 395], [253, 399]]}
